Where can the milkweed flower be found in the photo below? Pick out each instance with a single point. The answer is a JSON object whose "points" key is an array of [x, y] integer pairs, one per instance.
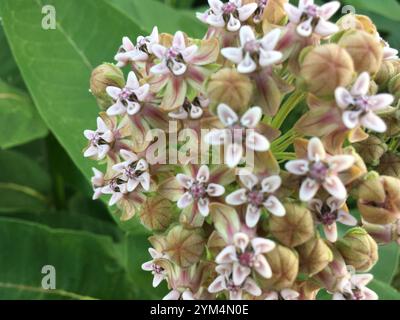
{"points": [[285, 294], [319, 170], [97, 183], [359, 107], [158, 271], [99, 140], [355, 288]]}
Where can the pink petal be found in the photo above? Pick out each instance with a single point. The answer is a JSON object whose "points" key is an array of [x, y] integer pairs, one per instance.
{"points": [[237, 198], [289, 294], [203, 206], [233, 54], [346, 218], [256, 141], [246, 35], [373, 122], [293, 13], [241, 241], [147, 266], [240, 273], [261, 245], [117, 109], [203, 175], [361, 86], [351, 119], [361, 280], [173, 295], [127, 44], [185, 201], [160, 68], [233, 155], [271, 184], [215, 190], [89, 134], [268, 58], [297, 167], [369, 294], [233, 24], [335, 187], [132, 82], [316, 150], [331, 232], [189, 53], [184, 180], [90, 152], [113, 92], [271, 39], [158, 278], [261, 265], [341, 163], [227, 116], [248, 179], [308, 189], [274, 206], [247, 65], [247, 10], [179, 41], [158, 50], [251, 287], [251, 118], [326, 28], [252, 216], [217, 285], [329, 9], [343, 97], [227, 255], [380, 101]]}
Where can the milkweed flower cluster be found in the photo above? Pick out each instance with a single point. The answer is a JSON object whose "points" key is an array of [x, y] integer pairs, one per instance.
{"points": [[303, 115]]}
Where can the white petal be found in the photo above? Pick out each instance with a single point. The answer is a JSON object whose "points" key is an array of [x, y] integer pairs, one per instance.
{"points": [[240, 273], [246, 35], [196, 112], [216, 5], [216, 20], [90, 152], [246, 11], [369, 294], [247, 65], [361, 86], [233, 24], [268, 58], [147, 266], [203, 175], [335, 187], [89, 134], [233, 155], [346, 218], [252, 216], [215, 190], [343, 97], [271, 39], [341, 163], [326, 28], [308, 189], [142, 92], [145, 181], [261, 245], [251, 287], [101, 125], [189, 52], [297, 167], [128, 156], [248, 179], [237, 197], [158, 278], [117, 109], [331, 232], [256, 141], [184, 180], [262, 266], [329, 9], [132, 82], [361, 280], [159, 50], [179, 41], [218, 285], [132, 184], [289, 294], [160, 68], [173, 295], [179, 114], [185, 201], [271, 184], [233, 54], [227, 116], [241, 240], [115, 198], [272, 296], [351, 119], [252, 117], [227, 255], [294, 14], [203, 206], [274, 206], [373, 122], [113, 92], [316, 150], [380, 101], [216, 137]]}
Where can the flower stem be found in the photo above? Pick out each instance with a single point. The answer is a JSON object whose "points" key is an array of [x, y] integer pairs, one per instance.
{"points": [[287, 108]]}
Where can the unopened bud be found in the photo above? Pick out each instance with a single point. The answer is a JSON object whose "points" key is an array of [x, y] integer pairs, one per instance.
{"points": [[385, 73], [394, 86], [383, 234], [314, 256], [371, 149], [358, 22], [390, 165]]}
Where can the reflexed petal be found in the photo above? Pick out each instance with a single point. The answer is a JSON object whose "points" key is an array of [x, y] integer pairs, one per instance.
{"points": [[184, 180], [248, 179], [297, 167], [262, 266], [216, 5], [341, 163], [233, 54], [115, 198], [145, 181], [252, 216], [252, 117], [117, 109], [233, 24], [217, 285], [289, 294], [147, 266], [240, 273], [308, 189], [158, 278], [132, 82], [331, 232], [160, 68], [351, 119], [203, 206], [90, 152], [127, 44], [216, 20], [247, 65], [237, 197], [185, 201], [274, 206], [215, 190], [271, 39], [373, 122], [343, 97], [142, 92], [316, 150], [155, 254], [268, 58], [227, 116], [241, 241], [251, 287], [216, 137], [132, 184], [246, 11], [179, 41], [227, 255], [188, 53], [271, 184], [233, 155], [89, 134], [158, 50], [256, 141], [203, 175], [329, 9], [173, 295], [326, 28], [102, 151], [335, 187], [361, 280], [101, 125], [361, 86], [261, 245], [134, 55], [113, 92], [293, 13], [246, 35], [128, 155], [380, 101], [346, 218]]}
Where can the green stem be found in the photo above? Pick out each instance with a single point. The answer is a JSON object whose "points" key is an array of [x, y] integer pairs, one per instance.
{"points": [[24, 189], [284, 156], [287, 108]]}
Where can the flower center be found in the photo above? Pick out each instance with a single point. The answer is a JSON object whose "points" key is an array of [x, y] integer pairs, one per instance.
{"points": [[255, 198], [246, 259], [230, 286], [318, 171], [312, 11], [327, 216], [198, 190], [131, 171], [157, 269], [229, 8], [115, 185], [127, 94], [252, 46], [357, 294], [362, 103]]}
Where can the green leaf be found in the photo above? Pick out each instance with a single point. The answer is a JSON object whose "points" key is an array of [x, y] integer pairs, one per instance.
{"points": [[24, 185], [387, 8], [19, 119], [87, 265], [384, 291], [386, 267], [152, 13]]}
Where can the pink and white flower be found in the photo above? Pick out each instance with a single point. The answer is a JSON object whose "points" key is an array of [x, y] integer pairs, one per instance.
{"points": [[246, 255], [174, 59], [129, 52], [177, 295], [328, 213], [253, 50], [236, 130], [319, 170], [158, 272], [129, 99], [193, 110], [133, 170], [117, 189], [354, 288], [257, 196], [224, 282], [97, 183], [230, 14], [99, 140], [311, 18], [198, 190], [359, 107], [285, 294]]}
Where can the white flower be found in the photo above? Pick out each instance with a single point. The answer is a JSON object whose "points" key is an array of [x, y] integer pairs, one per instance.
{"points": [[191, 110], [133, 170], [177, 295], [175, 58], [235, 130], [285, 294], [359, 108], [328, 213], [229, 15], [129, 52], [117, 188], [99, 140], [354, 288], [129, 99], [311, 18], [224, 282], [97, 183], [256, 196], [252, 50], [319, 170], [158, 272], [198, 190], [246, 255]]}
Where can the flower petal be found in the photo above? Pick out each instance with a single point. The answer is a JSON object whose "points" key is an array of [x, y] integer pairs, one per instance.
{"points": [[252, 117], [380, 101], [216, 137], [215, 190], [308, 189], [132, 82], [373, 122], [203, 175], [343, 97], [316, 150], [233, 24], [327, 10], [246, 35], [335, 187], [270, 40], [297, 167], [233, 54], [257, 142], [113, 92], [261, 245], [251, 287], [203, 206], [346, 218], [173, 295], [237, 197], [274, 206], [361, 280], [361, 86], [331, 232], [185, 201], [247, 65], [240, 273], [271, 184], [341, 163], [248, 179], [351, 119], [246, 11], [268, 58], [227, 255], [184, 180], [294, 14], [218, 285], [233, 155], [325, 28], [289, 294], [158, 278], [252, 216], [227, 116], [241, 240], [262, 266]]}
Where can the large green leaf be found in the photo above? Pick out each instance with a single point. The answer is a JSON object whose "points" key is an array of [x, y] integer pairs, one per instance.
{"points": [[388, 263], [384, 291], [19, 119], [87, 265]]}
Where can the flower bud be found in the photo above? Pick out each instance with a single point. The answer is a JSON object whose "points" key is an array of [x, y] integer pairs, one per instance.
{"points": [[371, 150], [230, 87], [308, 289], [358, 249], [382, 234], [385, 73], [285, 267], [365, 49], [358, 22], [105, 75], [390, 165], [314, 256], [295, 228], [392, 120], [326, 67], [379, 199], [394, 86], [157, 213], [184, 247]]}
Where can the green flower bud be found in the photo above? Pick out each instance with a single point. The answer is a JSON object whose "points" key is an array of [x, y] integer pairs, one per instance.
{"points": [[394, 86], [157, 213], [314, 256], [385, 73], [358, 249], [371, 150], [390, 165], [104, 76]]}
